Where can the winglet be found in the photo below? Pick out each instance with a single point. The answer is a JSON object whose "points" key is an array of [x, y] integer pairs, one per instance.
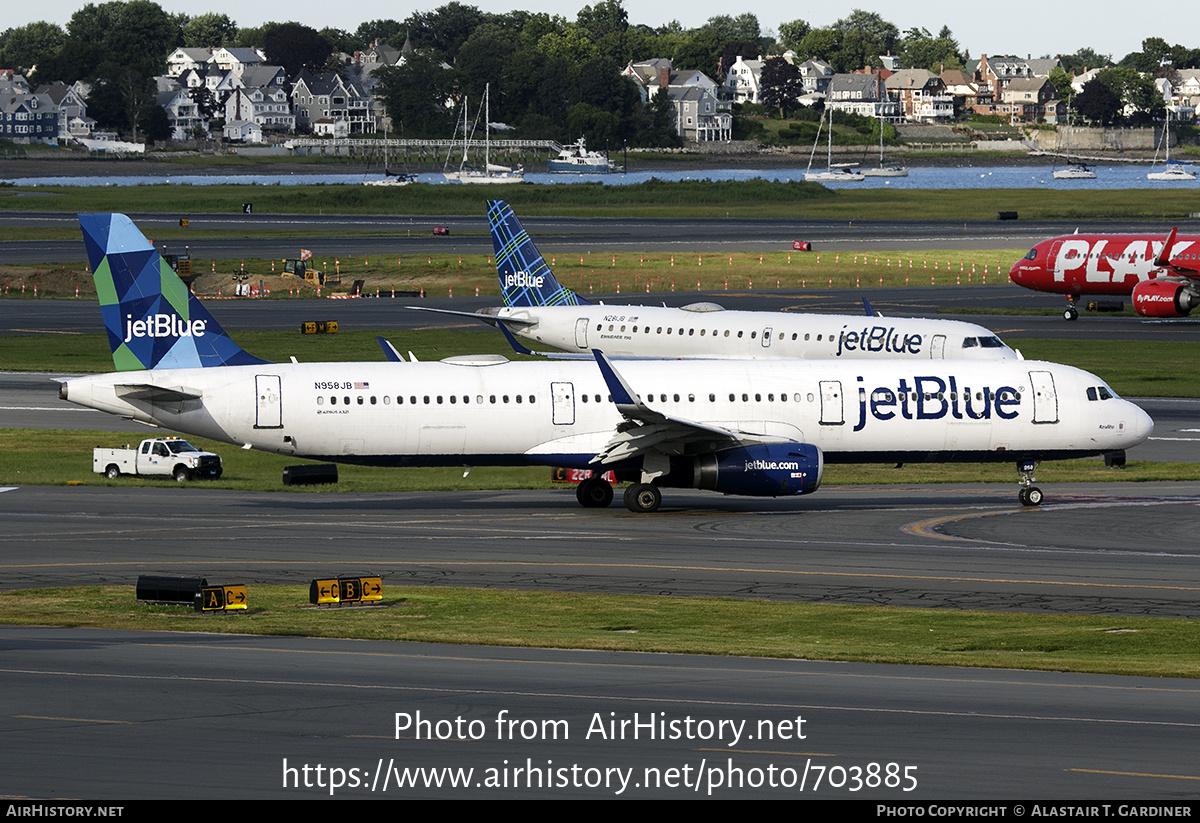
{"points": [[1164, 255], [525, 279], [623, 396], [389, 351], [153, 320]]}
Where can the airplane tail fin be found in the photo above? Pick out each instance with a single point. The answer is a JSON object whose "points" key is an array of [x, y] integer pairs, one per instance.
{"points": [[525, 279], [153, 320]]}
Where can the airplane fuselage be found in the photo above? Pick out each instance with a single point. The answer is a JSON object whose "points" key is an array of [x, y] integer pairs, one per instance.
{"points": [[488, 411], [709, 332]]}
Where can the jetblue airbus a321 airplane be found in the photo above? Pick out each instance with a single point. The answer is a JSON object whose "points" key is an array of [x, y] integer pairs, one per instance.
{"points": [[538, 307], [762, 427]]}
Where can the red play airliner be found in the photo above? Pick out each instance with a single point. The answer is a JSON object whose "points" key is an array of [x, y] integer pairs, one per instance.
{"points": [[1163, 277]]}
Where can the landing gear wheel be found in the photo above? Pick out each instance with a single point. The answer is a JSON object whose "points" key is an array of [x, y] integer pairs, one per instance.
{"points": [[182, 475], [1071, 314], [594, 493], [1031, 496], [643, 498], [112, 472]]}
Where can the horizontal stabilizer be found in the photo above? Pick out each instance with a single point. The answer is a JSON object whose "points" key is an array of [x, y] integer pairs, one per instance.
{"points": [[155, 394]]}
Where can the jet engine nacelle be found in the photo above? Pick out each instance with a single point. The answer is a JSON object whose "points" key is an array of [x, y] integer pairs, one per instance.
{"points": [[772, 470], [1163, 298]]}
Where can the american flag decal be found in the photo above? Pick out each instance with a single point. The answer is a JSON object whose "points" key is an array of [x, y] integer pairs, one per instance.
{"points": [[362, 385]]}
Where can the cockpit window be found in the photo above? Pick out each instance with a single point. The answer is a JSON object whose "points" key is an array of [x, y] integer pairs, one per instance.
{"points": [[1100, 393], [1032, 255], [970, 342], [991, 342]]}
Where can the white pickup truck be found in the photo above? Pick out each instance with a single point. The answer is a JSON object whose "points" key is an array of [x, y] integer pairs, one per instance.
{"points": [[157, 457]]}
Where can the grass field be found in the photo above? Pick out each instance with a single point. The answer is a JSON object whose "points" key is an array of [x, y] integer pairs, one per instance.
{"points": [[1152, 647], [702, 198], [593, 272]]}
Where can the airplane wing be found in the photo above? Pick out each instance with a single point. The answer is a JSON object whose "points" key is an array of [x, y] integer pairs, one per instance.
{"points": [[646, 431], [1189, 270], [490, 319]]}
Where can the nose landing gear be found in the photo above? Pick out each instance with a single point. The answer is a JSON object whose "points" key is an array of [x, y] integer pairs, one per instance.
{"points": [[1029, 495]]}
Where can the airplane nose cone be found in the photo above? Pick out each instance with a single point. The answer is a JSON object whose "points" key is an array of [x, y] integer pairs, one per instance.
{"points": [[1015, 273], [1142, 425]]}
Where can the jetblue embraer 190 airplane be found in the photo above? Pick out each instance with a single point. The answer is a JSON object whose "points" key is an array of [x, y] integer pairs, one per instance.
{"points": [[538, 307], [761, 428]]}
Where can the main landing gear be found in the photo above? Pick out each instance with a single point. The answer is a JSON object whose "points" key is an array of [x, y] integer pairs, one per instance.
{"points": [[594, 493], [597, 493], [1029, 495], [643, 498]]}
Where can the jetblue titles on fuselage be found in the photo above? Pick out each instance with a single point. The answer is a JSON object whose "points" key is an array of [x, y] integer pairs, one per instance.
{"points": [[879, 339], [932, 398]]}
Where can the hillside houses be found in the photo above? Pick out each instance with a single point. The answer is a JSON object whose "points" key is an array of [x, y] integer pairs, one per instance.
{"points": [[236, 93], [699, 113]]}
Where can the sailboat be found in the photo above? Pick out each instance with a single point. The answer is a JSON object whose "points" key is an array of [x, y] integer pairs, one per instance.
{"points": [[892, 169], [1171, 173], [832, 173], [390, 178], [490, 173], [1073, 171]]}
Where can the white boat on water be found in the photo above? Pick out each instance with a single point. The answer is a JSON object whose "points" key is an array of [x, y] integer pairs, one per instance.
{"points": [[391, 178], [891, 169], [491, 172], [1075, 171], [833, 173], [1173, 172], [576, 159]]}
